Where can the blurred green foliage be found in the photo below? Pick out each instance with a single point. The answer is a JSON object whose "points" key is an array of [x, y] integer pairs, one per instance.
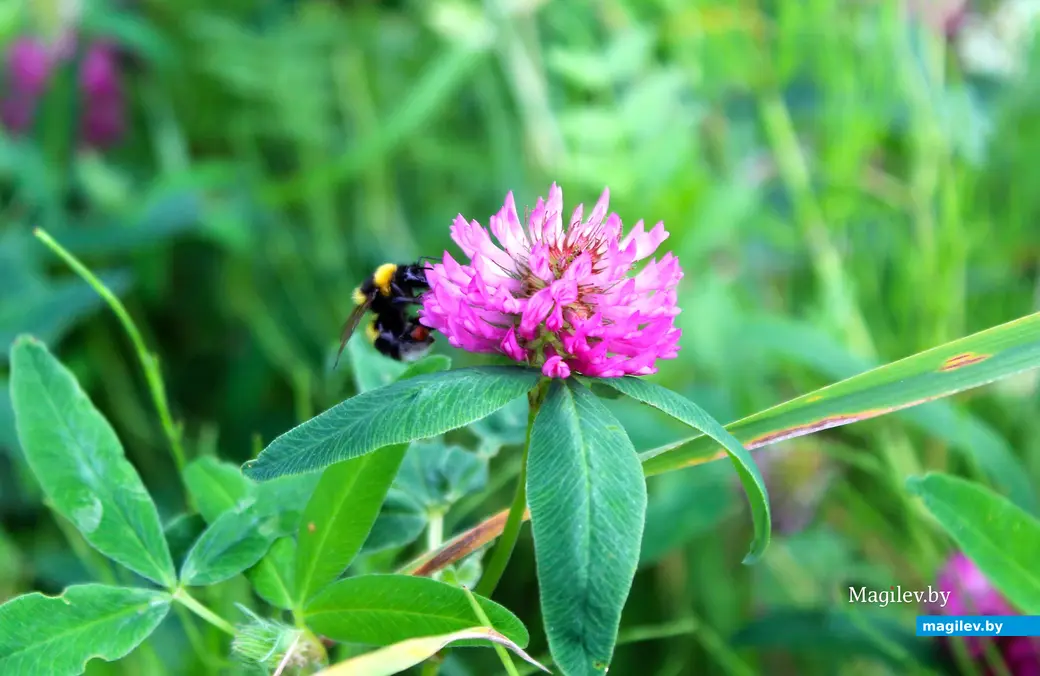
{"points": [[839, 190]]}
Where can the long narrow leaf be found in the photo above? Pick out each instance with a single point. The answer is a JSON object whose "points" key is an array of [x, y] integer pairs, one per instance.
{"points": [[966, 434], [969, 362], [398, 657]]}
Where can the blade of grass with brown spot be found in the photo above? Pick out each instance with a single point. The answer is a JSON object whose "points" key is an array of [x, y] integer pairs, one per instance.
{"points": [[960, 365]]}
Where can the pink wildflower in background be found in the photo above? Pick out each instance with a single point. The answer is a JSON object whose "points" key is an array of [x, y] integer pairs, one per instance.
{"points": [[561, 299], [30, 65], [972, 594], [27, 75], [102, 121], [971, 591]]}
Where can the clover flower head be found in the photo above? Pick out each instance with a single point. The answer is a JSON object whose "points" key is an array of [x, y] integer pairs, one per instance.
{"points": [[562, 299]]}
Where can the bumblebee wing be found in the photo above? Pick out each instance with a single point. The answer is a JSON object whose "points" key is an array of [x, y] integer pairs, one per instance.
{"points": [[351, 325]]}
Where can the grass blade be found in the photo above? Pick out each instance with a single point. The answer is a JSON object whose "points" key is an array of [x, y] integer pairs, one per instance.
{"points": [[960, 365]]}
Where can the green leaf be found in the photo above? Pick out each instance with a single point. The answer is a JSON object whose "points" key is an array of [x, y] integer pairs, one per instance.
{"points": [[181, 532], [402, 656], [436, 476], [340, 515], [686, 411], [59, 635], [969, 362], [417, 408], [506, 426], [217, 486], [371, 369], [836, 633], [587, 498], [274, 577], [433, 363], [400, 522], [235, 542], [288, 493], [383, 609], [79, 462], [999, 537], [401, 519]]}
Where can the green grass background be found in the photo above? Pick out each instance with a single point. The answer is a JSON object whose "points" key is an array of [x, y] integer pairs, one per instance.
{"points": [[839, 192]]}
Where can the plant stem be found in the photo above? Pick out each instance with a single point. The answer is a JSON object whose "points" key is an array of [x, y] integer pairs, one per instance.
{"points": [[435, 530], [149, 361], [503, 655], [500, 557], [202, 611]]}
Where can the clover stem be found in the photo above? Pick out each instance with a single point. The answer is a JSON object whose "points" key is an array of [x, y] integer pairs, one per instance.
{"points": [[189, 602], [435, 530], [500, 557], [507, 661]]}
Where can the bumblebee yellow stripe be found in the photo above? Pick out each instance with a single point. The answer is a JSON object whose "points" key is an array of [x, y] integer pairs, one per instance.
{"points": [[382, 277], [358, 296], [371, 332]]}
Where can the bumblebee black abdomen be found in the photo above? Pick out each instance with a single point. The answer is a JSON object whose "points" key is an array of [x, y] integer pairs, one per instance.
{"points": [[399, 337]]}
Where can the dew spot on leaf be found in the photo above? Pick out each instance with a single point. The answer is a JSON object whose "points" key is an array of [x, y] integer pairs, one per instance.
{"points": [[87, 513]]}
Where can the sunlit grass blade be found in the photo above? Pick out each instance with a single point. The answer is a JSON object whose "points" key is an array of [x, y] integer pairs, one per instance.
{"points": [[969, 362], [401, 656]]}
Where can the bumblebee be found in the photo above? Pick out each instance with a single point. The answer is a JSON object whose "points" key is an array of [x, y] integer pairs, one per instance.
{"points": [[399, 337], [387, 293]]}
